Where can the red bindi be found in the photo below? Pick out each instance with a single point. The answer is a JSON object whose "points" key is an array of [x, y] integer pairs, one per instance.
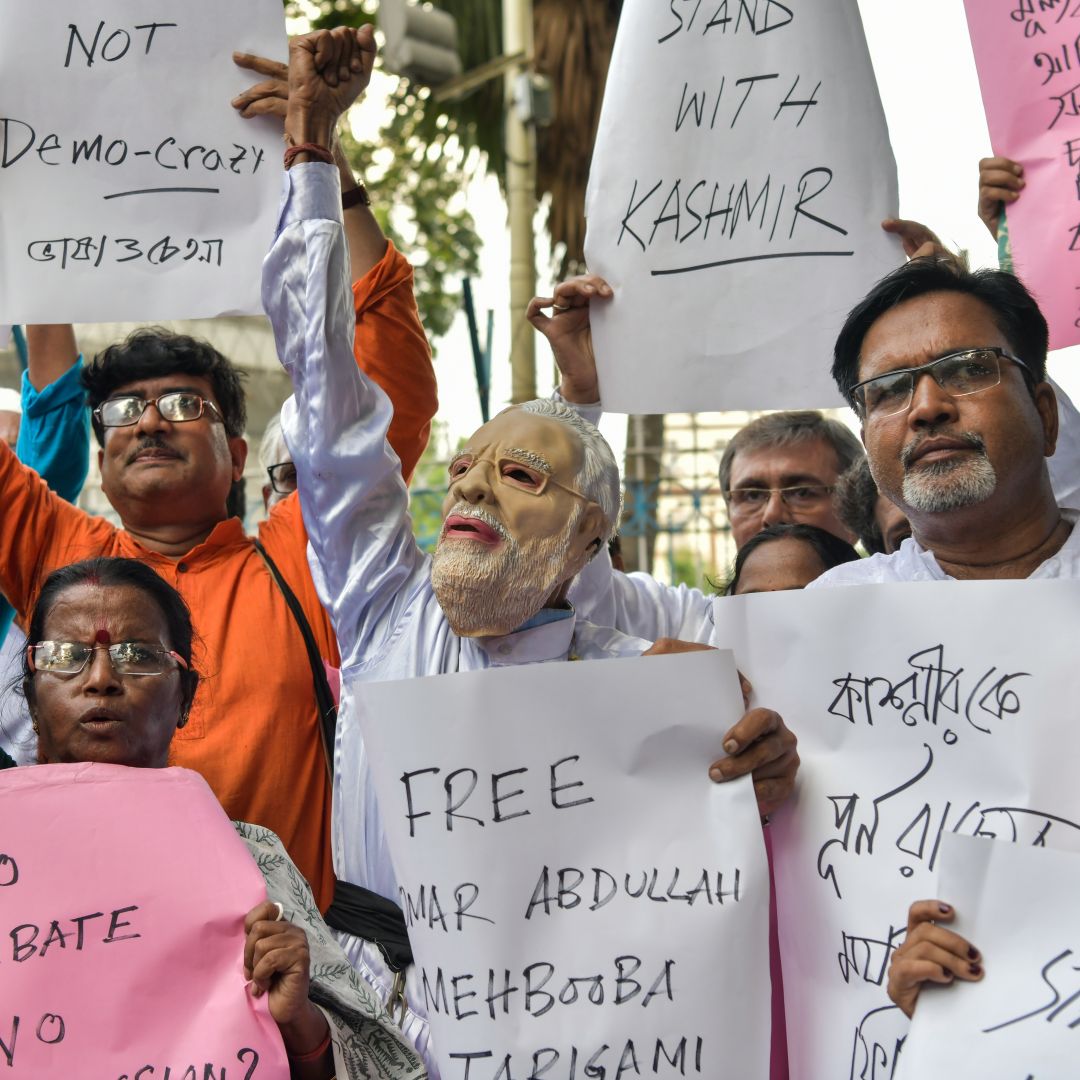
{"points": [[103, 637]]}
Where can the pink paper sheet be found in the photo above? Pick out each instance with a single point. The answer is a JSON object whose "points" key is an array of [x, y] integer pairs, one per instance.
{"points": [[156, 981], [1028, 56]]}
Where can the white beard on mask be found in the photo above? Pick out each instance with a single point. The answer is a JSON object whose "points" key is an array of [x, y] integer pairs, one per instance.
{"points": [[486, 591]]}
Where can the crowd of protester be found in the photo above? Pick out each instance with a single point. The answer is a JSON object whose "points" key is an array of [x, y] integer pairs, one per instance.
{"points": [[257, 643]]}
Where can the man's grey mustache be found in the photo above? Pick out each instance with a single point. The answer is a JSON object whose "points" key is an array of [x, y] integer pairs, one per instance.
{"points": [[969, 438], [478, 513]]}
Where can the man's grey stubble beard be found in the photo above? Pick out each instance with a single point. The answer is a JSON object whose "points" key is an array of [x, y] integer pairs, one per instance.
{"points": [[939, 486]]}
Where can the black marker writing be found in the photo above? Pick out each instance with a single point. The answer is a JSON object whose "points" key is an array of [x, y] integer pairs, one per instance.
{"points": [[115, 45], [50, 1030], [568, 888], [929, 692], [727, 17], [538, 988], [1064, 986], [423, 907], [459, 786], [9, 871]]}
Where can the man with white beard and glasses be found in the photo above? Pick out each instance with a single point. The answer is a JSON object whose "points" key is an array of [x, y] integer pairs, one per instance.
{"points": [[947, 372], [531, 499]]}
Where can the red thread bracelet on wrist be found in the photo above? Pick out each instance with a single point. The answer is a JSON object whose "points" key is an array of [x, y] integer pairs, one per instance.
{"points": [[312, 1055], [313, 149]]}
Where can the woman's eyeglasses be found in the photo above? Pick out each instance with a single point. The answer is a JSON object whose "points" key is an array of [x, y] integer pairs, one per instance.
{"points": [[127, 657]]}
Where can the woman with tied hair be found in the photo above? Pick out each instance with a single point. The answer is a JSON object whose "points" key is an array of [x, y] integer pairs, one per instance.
{"points": [[108, 677], [786, 556]]}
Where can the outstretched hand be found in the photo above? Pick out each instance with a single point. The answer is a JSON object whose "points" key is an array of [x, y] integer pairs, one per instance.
{"points": [[569, 331]]}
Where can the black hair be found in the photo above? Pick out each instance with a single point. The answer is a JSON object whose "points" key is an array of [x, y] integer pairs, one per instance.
{"points": [[855, 497], [119, 572], [831, 550], [791, 428], [1012, 307], [151, 352]]}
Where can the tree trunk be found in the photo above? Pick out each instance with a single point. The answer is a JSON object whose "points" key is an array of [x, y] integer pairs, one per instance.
{"points": [[641, 479]]}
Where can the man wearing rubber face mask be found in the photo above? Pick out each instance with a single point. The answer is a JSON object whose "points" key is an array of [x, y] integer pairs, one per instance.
{"points": [[514, 533], [532, 497]]}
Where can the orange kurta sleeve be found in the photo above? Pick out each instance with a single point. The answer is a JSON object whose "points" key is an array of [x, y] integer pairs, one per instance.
{"points": [[392, 349], [39, 531]]}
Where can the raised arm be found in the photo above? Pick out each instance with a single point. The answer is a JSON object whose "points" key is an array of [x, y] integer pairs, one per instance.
{"points": [[389, 342], [352, 494], [636, 604], [54, 437], [1000, 182]]}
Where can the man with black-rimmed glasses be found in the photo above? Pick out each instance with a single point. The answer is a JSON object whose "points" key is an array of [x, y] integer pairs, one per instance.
{"points": [[168, 412], [947, 372]]}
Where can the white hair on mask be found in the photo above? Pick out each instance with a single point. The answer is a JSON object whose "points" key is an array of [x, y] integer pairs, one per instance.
{"points": [[598, 478], [272, 448], [10, 400]]}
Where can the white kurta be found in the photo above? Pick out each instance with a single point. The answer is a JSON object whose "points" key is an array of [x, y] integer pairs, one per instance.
{"points": [[17, 736], [370, 574], [912, 562]]}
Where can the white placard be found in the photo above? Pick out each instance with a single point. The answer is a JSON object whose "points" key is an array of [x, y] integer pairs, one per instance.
{"points": [[921, 709], [741, 171], [1018, 905], [582, 900], [130, 189]]}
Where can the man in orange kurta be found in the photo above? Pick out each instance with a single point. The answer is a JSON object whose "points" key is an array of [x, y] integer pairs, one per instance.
{"points": [[254, 731]]}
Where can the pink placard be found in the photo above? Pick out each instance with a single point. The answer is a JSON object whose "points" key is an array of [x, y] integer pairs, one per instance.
{"points": [[1028, 56], [122, 899]]}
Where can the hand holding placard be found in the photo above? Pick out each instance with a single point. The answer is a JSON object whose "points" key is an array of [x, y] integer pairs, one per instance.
{"points": [[570, 876]]}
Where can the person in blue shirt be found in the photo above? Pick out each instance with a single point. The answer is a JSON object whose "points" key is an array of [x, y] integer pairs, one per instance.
{"points": [[54, 435], [54, 440]]}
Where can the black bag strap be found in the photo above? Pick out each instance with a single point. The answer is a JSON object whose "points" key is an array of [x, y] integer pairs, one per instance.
{"points": [[373, 918], [324, 698]]}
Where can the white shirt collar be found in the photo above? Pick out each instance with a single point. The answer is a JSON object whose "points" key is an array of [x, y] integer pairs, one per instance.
{"points": [[531, 644]]}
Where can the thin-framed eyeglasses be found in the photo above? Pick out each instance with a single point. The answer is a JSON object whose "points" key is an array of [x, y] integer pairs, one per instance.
{"points": [[747, 500], [283, 477], [177, 406], [958, 374], [522, 471], [126, 657]]}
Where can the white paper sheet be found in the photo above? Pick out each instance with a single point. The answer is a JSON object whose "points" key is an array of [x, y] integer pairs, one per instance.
{"points": [[590, 864], [1018, 906], [130, 189], [921, 709], [741, 171]]}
